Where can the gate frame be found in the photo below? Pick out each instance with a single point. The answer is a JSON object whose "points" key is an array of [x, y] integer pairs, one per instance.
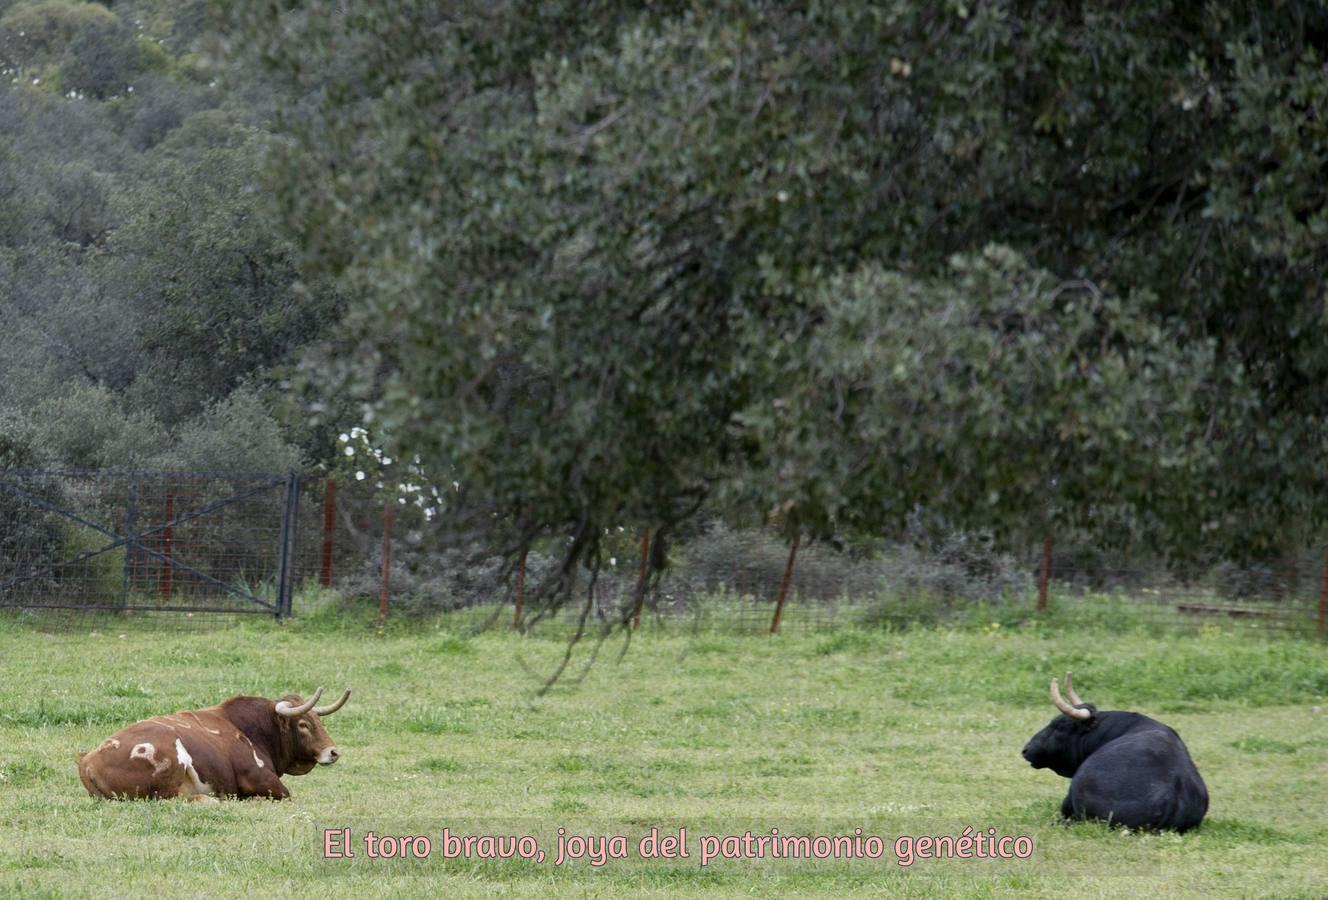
{"points": [[132, 538]]}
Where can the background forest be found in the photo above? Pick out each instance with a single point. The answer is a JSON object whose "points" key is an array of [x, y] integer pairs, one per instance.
{"points": [[145, 298], [850, 270]]}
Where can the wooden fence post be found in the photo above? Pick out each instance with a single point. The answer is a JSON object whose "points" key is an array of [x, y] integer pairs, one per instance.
{"points": [[520, 589], [329, 530], [1323, 597], [641, 579], [387, 562], [167, 545], [1044, 576], [784, 584]]}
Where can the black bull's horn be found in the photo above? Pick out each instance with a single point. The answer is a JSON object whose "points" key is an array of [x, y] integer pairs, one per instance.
{"points": [[1068, 708]]}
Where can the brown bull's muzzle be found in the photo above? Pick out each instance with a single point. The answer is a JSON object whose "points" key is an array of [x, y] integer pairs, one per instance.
{"points": [[329, 756]]}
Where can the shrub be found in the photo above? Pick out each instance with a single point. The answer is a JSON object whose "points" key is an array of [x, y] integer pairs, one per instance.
{"points": [[959, 565], [30, 538], [34, 33], [101, 60], [237, 434], [160, 106], [752, 562], [86, 429], [427, 578]]}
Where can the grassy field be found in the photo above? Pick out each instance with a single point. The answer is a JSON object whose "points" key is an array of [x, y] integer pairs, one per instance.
{"points": [[907, 733]]}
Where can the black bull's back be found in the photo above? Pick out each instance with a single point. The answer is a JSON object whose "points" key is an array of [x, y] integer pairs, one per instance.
{"points": [[1143, 779]]}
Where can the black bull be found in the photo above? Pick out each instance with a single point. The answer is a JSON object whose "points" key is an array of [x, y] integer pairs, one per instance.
{"points": [[1124, 767]]}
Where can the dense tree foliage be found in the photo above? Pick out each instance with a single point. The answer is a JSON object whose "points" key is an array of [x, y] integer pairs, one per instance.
{"points": [[1024, 264], [145, 294], [1014, 267]]}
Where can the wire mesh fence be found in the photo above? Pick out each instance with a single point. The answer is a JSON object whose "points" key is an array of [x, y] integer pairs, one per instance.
{"points": [[279, 544], [145, 542], [731, 579]]}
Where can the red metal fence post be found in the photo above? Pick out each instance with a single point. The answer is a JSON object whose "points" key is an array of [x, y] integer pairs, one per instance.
{"points": [[1323, 597], [520, 588], [641, 579], [1045, 575], [783, 585], [387, 562], [329, 529], [167, 544]]}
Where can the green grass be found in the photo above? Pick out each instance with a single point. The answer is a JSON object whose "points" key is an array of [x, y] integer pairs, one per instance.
{"points": [[895, 733]]}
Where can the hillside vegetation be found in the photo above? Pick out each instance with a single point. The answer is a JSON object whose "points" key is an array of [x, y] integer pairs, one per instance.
{"points": [[145, 295]]}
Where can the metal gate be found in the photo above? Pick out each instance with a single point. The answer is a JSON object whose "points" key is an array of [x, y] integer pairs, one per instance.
{"points": [[148, 541]]}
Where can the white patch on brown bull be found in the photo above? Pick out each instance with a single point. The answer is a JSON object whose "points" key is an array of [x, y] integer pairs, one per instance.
{"points": [[145, 751], [200, 722], [251, 749], [194, 787]]}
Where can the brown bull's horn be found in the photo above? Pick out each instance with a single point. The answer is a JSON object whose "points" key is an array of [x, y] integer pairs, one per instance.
{"points": [[284, 707], [329, 710], [1069, 692], [1065, 707]]}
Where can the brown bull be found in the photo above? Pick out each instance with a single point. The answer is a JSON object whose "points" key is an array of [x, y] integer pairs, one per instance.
{"points": [[239, 748]]}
